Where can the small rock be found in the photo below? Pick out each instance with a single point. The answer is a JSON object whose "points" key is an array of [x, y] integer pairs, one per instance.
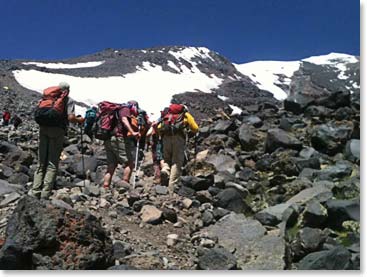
{"points": [[172, 239], [187, 203], [150, 214]]}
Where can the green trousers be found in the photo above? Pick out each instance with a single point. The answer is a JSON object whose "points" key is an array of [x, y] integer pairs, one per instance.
{"points": [[51, 140]]}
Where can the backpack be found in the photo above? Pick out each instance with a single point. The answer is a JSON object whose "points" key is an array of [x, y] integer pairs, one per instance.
{"points": [[50, 110], [90, 118], [106, 120], [6, 116], [172, 121]]}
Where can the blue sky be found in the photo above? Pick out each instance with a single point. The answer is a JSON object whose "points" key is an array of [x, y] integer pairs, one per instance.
{"points": [[241, 30]]}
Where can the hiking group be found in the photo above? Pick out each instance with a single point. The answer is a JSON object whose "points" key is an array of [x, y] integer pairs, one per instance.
{"points": [[125, 130]]}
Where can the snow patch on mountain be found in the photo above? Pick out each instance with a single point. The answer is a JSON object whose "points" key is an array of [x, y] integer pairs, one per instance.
{"points": [[269, 74], [64, 65], [189, 53], [332, 59], [150, 85]]}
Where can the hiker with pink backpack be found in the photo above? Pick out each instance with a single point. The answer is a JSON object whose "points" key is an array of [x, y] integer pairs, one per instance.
{"points": [[114, 126]]}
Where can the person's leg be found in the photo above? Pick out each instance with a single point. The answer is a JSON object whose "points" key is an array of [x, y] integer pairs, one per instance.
{"points": [[55, 145], [178, 157], [39, 174], [167, 160], [111, 161], [130, 147], [108, 176]]}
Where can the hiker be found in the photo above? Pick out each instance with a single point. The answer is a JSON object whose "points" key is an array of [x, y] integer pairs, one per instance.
{"points": [[175, 123], [53, 113], [157, 147], [157, 154], [16, 120], [6, 117], [90, 117], [121, 147]]}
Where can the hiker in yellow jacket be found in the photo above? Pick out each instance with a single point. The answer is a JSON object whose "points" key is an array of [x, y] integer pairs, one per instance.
{"points": [[173, 127]]}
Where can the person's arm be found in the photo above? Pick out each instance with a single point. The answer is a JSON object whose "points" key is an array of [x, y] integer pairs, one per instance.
{"points": [[76, 119], [126, 123], [191, 122]]}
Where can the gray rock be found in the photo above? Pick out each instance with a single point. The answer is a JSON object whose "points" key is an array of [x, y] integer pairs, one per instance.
{"points": [[314, 214], [9, 199], [272, 216], [334, 259], [207, 217], [223, 162], [330, 138], [217, 259], [150, 214], [6, 188], [5, 171], [340, 170], [320, 193], [342, 210], [247, 139], [231, 199], [223, 126], [353, 150], [311, 238], [253, 120], [277, 138], [247, 236], [92, 190], [161, 190]]}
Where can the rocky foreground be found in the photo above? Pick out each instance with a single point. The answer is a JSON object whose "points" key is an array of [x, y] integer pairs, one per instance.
{"points": [[277, 187]]}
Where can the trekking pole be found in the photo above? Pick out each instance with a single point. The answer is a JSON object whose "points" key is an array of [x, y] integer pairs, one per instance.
{"points": [[136, 160], [195, 151], [82, 152]]}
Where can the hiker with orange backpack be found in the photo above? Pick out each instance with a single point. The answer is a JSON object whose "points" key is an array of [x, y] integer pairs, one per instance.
{"points": [[53, 113], [121, 146], [173, 128]]}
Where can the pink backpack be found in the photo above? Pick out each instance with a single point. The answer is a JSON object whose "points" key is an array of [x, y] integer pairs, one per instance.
{"points": [[106, 120]]}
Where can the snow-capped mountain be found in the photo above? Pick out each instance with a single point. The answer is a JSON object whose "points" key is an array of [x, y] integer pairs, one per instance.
{"points": [[319, 74], [209, 81]]}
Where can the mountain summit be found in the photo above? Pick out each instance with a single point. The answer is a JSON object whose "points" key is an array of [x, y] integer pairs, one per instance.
{"points": [[152, 76]]}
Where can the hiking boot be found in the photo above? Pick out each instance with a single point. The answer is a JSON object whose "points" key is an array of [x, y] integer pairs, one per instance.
{"points": [[164, 178]]}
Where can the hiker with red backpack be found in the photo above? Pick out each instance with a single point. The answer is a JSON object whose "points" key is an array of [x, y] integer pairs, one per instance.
{"points": [[173, 127], [121, 145], [6, 118], [53, 113]]}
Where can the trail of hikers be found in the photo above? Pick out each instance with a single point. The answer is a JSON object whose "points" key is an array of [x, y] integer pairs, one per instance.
{"points": [[126, 132]]}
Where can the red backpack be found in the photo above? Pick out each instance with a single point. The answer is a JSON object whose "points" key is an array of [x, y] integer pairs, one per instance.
{"points": [[6, 116], [106, 120], [173, 120], [51, 109]]}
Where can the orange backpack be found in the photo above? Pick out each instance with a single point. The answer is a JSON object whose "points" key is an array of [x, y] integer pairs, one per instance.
{"points": [[51, 109]]}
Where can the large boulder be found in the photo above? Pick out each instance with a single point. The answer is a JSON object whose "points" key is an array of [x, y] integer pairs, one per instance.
{"points": [[42, 236], [217, 259], [277, 138], [331, 138], [247, 138], [248, 237], [223, 163], [342, 210], [231, 199], [334, 259]]}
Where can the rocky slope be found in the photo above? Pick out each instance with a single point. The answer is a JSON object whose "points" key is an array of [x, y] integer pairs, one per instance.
{"points": [[274, 187]]}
